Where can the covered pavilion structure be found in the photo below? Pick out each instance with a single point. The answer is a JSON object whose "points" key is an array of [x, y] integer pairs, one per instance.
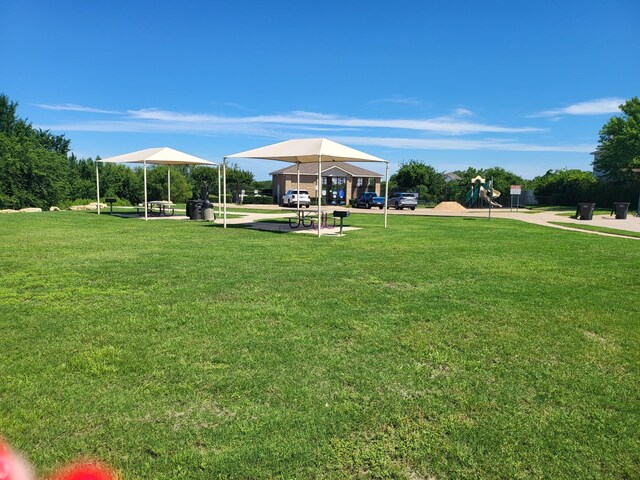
{"points": [[155, 156], [310, 150]]}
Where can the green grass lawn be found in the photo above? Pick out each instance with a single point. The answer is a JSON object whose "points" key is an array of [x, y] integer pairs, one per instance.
{"points": [[438, 348], [595, 228]]}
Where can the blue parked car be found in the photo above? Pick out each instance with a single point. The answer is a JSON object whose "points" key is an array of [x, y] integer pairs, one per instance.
{"points": [[368, 200]]}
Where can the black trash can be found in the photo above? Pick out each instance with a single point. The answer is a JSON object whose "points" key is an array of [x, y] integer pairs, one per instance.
{"points": [[621, 209], [585, 211], [194, 209]]}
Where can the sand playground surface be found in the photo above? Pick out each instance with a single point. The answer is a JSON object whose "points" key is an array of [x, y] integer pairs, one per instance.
{"points": [[450, 207]]}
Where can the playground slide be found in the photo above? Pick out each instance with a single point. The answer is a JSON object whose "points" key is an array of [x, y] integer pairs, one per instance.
{"points": [[485, 197]]}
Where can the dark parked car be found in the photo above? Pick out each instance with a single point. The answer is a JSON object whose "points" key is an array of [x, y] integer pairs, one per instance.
{"points": [[403, 200], [368, 200]]}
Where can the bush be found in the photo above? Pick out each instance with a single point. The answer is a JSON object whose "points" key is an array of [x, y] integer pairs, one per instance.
{"points": [[257, 200], [120, 202], [214, 198], [568, 187], [78, 201]]}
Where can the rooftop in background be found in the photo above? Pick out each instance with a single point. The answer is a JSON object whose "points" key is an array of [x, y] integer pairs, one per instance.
{"points": [[312, 169]]}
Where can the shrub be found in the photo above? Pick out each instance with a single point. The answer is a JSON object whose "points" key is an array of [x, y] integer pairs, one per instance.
{"points": [[214, 198], [257, 200], [78, 201]]}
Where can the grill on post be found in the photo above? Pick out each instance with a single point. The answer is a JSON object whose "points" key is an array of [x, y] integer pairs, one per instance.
{"points": [[341, 214]]}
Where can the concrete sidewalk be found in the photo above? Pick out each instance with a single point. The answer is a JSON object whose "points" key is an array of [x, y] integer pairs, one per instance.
{"points": [[543, 218]]}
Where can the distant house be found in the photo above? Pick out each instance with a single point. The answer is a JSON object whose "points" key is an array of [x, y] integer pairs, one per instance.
{"points": [[340, 182], [451, 177]]}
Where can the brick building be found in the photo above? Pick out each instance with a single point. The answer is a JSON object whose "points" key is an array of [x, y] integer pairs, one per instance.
{"points": [[341, 182]]}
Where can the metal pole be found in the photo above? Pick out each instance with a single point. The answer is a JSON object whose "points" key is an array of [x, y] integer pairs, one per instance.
{"points": [[169, 182], [489, 195], [98, 186], [319, 192], [298, 173], [219, 199], [145, 190], [224, 191], [386, 194]]}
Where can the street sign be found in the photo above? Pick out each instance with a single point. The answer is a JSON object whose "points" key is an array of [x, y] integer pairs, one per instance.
{"points": [[517, 191]]}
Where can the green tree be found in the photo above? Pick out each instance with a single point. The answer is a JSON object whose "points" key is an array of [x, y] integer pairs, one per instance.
{"points": [[238, 179], [502, 181], [157, 185], [565, 187], [416, 176], [618, 152], [204, 181], [34, 169]]}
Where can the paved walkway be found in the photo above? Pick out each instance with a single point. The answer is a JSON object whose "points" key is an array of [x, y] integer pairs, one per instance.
{"points": [[252, 217], [543, 218]]}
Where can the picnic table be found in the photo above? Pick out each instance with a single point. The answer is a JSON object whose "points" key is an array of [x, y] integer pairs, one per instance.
{"points": [[309, 218], [157, 208], [303, 217], [110, 201]]}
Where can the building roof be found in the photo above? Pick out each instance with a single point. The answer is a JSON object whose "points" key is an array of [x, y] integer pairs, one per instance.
{"points": [[312, 169], [452, 176]]}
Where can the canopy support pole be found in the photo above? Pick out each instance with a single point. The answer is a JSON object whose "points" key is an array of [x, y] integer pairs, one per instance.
{"points": [[145, 191], [169, 183], [386, 194], [298, 174], [98, 186], [219, 199], [319, 193], [224, 191]]}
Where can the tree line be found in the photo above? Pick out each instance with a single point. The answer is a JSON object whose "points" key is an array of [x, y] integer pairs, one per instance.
{"points": [[617, 159], [556, 187], [36, 170]]}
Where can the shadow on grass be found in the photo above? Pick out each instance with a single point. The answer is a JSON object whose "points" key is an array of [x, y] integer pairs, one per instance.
{"points": [[243, 226]]}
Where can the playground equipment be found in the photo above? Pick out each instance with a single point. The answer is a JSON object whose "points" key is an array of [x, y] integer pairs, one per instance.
{"points": [[482, 191]]}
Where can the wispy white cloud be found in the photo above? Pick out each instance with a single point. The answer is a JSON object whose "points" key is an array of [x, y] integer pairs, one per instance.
{"points": [[411, 134], [397, 99], [460, 144], [462, 112], [137, 126], [599, 106], [443, 125], [71, 107]]}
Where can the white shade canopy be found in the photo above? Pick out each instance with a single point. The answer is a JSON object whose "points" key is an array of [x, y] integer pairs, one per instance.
{"points": [[311, 150], [308, 150], [158, 156]]}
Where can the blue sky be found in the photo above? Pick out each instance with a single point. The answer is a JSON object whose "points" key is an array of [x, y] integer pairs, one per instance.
{"points": [[523, 85]]}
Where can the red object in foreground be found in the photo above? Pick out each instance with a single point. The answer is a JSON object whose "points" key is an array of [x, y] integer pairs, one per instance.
{"points": [[12, 466], [85, 471]]}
